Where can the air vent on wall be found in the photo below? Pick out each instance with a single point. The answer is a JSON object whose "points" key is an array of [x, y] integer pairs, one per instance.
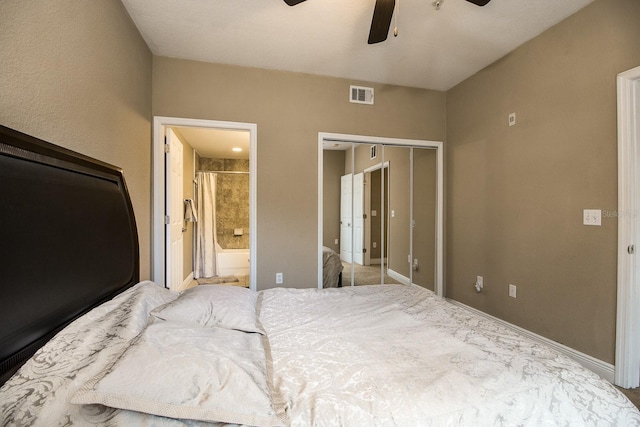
{"points": [[361, 95]]}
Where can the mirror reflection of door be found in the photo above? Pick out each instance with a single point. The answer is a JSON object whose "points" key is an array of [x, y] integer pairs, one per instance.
{"points": [[358, 218], [346, 217]]}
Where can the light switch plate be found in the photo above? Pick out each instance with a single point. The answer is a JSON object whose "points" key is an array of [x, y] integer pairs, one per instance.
{"points": [[592, 217]]}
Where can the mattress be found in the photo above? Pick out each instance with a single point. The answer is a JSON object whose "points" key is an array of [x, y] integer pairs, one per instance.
{"points": [[381, 355]]}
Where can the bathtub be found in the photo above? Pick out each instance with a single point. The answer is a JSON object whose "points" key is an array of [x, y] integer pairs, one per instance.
{"points": [[232, 262]]}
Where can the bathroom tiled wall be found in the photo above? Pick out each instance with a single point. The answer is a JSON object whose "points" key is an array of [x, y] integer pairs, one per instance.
{"points": [[232, 200]]}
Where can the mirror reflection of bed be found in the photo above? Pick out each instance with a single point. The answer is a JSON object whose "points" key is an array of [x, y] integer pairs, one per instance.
{"points": [[379, 213]]}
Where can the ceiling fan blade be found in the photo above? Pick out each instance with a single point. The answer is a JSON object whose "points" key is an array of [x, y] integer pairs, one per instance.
{"points": [[293, 2], [479, 2], [381, 21]]}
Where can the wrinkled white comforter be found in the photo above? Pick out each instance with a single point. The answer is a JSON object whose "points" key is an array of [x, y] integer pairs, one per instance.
{"points": [[373, 356], [396, 355]]}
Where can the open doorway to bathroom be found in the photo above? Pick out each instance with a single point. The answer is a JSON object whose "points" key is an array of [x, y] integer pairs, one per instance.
{"points": [[204, 194]]}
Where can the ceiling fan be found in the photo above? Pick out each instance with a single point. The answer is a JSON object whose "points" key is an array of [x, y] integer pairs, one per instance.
{"points": [[382, 14]]}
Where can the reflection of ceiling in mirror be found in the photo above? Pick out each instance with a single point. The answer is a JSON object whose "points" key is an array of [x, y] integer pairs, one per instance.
{"points": [[336, 145]]}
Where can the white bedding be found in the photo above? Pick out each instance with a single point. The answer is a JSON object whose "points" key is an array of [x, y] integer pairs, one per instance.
{"points": [[40, 392], [373, 355], [178, 371], [397, 355]]}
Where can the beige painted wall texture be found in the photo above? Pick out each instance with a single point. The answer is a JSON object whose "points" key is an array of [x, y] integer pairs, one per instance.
{"points": [[289, 110], [78, 74], [333, 169], [516, 194]]}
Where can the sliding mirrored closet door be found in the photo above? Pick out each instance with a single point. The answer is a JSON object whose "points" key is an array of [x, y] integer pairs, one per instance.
{"points": [[384, 228]]}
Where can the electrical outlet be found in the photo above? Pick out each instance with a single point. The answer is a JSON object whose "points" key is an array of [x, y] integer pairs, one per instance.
{"points": [[279, 279], [479, 283], [375, 245], [336, 241], [512, 119], [512, 291]]}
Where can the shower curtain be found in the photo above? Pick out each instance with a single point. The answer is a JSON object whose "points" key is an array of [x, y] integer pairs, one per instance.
{"points": [[205, 259]]}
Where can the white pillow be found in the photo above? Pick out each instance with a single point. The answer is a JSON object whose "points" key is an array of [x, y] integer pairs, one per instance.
{"points": [[230, 307], [179, 371]]}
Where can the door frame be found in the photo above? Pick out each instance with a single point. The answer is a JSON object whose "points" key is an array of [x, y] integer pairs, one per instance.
{"points": [[362, 139], [627, 359], [367, 233], [158, 189]]}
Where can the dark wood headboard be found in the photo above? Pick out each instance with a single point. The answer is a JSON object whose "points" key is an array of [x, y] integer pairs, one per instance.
{"points": [[68, 241]]}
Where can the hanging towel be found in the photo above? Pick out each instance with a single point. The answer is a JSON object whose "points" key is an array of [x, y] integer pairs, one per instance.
{"points": [[189, 211]]}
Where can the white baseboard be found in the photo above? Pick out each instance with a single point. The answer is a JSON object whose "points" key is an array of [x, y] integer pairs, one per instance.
{"points": [[603, 369], [397, 276], [187, 282], [400, 278]]}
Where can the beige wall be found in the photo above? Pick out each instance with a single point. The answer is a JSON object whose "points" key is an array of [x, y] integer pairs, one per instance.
{"points": [[289, 110], [333, 169], [516, 194], [425, 169], [78, 74]]}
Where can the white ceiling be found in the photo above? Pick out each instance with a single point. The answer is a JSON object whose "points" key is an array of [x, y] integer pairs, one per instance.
{"points": [[434, 49], [217, 143]]}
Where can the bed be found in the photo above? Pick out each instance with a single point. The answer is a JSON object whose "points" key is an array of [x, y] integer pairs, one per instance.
{"points": [[331, 268], [126, 353]]}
